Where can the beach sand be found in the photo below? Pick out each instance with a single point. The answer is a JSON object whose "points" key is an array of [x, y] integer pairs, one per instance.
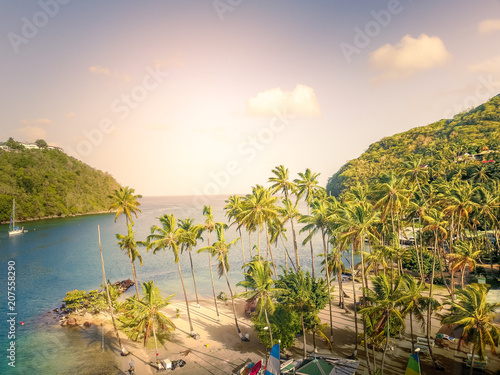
{"points": [[219, 349]]}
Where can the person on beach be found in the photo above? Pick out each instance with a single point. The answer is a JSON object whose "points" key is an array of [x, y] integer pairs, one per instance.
{"points": [[131, 369]]}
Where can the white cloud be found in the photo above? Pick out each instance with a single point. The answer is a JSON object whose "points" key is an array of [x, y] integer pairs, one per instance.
{"points": [[38, 121], [408, 57], [488, 26], [32, 133], [102, 70], [490, 66], [302, 101], [70, 115], [174, 61], [97, 69]]}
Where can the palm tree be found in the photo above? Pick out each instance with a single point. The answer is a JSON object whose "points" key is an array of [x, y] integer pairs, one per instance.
{"points": [[233, 209], [209, 226], [415, 304], [281, 181], [436, 224], [289, 212], [318, 221], [168, 236], [465, 255], [488, 206], [386, 296], [188, 236], [335, 266], [259, 283], [124, 201], [220, 249], [298, 297], [123, 350], [475, 315], [129, 244], [308, 185], [145, 314]]}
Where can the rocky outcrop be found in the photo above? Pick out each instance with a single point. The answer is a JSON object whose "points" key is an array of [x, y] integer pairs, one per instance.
{"points": [[123, 285]]}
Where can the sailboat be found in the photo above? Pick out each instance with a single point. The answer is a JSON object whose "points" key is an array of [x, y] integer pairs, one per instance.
{"points": [[13, 230]]}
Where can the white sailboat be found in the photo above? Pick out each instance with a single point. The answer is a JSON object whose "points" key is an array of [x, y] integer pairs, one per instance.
{"points": [[13, 230]]}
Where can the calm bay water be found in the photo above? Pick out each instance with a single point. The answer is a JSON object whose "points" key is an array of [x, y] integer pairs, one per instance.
{"points": [[59, 255]]}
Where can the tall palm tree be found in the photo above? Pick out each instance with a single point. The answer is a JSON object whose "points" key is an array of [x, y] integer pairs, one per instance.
{"points": [[415, 304], [129, 244], [145, 315], [386, 296], [220, 249], [318, 221], [167, 236], [281, 181], [233, 210], [124, 201], [289, 212], [466, 255], [259, 285], [335, 266], [298, 296], [307, 185], [189, 234], [488, 206], [123, 350], [437, 225], [475, 315], [209, 226]]}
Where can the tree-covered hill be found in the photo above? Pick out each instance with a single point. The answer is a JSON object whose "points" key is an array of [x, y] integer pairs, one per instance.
{"points": [[47, 182], [471, 138]]}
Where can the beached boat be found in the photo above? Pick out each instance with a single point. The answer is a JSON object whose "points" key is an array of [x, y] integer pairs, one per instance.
{"points": [[13, 230]]}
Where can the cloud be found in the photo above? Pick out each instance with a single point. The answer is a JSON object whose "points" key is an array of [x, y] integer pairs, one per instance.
{"points": [[32, 133], [488, 26], [102, 70], [70, 115], [490, 66], [38, 121], [174, 61], [302, 101], [96, 69], [408, 57]]}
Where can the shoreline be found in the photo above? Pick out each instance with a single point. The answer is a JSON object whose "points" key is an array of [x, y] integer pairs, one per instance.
{"points": [[56, 217]]}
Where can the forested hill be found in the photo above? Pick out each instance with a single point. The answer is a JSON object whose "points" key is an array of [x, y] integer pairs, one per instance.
{"points": [[471, 138], [47, 182]]}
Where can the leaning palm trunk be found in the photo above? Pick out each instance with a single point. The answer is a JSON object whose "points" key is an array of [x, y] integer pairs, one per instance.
{"points": [[327, 271], [213, 285], [269, 250], [472, 358], [232, 298], [386, 342], [242, 248], [295, 247], [355, 309], [185, 298], [154, 336], [269, 327], [194, 278], [135, 277], [303, 333], [431, 289], [122, 348]]}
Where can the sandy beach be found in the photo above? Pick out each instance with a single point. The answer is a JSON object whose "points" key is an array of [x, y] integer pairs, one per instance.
{"points": [[219, 349]]}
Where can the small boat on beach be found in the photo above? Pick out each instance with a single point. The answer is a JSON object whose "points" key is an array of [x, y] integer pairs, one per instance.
{"points": [[13, 230]]}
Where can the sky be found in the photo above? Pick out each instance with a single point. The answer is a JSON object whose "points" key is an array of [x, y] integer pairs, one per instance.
{"points": [[206, 97]]}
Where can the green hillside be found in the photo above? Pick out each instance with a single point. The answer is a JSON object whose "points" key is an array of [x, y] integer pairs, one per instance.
{"points": [[47, 182], [476, 133]]}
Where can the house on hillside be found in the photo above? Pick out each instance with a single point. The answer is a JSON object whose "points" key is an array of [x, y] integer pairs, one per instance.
{"points": [[4, 148], [30, 146]]}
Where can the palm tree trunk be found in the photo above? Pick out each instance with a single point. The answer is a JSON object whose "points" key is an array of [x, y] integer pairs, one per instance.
{"points": [[463, 273], [232, 298], [420, 270], [295, 247], [364, 284], [269, 250], [185, 298], [303, 333], [472, 358], [355, 308], [242, 248], [431, 289], [122, 348], [327, 271], [250, 244], [269, 327], [311, 243], [341, 289], [135, 278], [213, 285], [156, 342], [411, 333], [386, 342], [194, 278]]}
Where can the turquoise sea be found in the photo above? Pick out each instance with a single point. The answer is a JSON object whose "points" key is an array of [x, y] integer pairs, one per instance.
{"points": [[59, 255]]}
